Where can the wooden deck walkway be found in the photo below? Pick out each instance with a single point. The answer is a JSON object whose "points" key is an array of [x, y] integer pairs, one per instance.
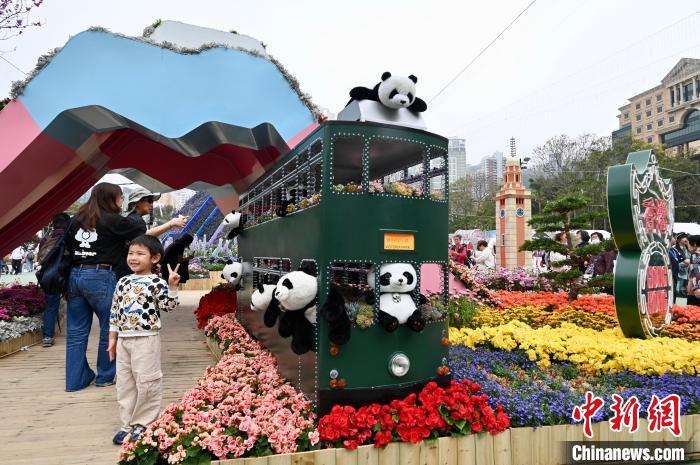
{"points": [[41, 424]]}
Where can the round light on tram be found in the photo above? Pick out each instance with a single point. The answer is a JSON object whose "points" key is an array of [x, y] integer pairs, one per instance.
{"points": [[399, 364]]}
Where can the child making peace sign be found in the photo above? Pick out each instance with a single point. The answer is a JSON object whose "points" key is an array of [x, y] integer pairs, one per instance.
{"points": [[134, 337]]}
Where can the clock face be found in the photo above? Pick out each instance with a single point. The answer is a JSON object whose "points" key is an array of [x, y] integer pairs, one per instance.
{"points": [[520, 212], [502, 213]]}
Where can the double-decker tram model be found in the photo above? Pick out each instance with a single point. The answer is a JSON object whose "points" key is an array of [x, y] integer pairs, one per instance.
{"points": [[362, 207]]}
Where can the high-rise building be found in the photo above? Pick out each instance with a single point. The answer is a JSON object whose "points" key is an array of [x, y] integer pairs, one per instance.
{"points": [[176, 199], [492, 168], [667, 114], [457, 158]]}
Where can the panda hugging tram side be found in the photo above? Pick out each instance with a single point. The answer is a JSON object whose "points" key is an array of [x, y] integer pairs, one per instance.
{"points": [[348, 331]]}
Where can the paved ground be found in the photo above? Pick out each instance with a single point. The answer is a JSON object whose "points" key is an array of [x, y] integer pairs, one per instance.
{"points": [[23, 278], [44, 425]]}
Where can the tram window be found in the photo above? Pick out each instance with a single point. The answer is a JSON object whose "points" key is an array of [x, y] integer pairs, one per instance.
{"points": [[350, 280], [302, 158], [347, 161], [432, 286], [309, 266], [437, 174], [316, 147], [317, 175], [267, 270], [394, 161]]}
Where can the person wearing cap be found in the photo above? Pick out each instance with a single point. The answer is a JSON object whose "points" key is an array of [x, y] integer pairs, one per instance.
{"points": [[140, 203]]}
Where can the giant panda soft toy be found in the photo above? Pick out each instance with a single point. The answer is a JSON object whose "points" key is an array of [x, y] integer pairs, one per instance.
{"points": [[237, 220], [262, 296], [232, 273], [293, 302], [393, 92], [396, 305]]}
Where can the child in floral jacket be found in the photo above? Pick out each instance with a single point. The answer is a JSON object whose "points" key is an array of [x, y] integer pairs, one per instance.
{"points": [[134, 337]]}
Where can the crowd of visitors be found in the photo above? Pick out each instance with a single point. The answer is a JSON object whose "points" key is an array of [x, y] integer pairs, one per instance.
{"points": [[482, 257], [21, 260], [685, 267]]}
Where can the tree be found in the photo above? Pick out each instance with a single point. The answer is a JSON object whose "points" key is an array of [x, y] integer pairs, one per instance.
{"points": [[559, 153], [460, 204], [14, 17], [584, 172], [472, 204], [162, 213], [566, 214]]}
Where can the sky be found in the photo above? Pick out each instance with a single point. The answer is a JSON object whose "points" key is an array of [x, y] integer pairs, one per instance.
{"points": [[564, 67]]}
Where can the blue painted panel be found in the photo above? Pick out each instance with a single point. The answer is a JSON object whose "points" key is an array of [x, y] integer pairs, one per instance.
{"points": [[167, 92]]}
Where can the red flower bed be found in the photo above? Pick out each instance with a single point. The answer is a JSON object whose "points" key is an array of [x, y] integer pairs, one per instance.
{"points": [[220, 301], [432, 413], [687, 314], [557, 301]]}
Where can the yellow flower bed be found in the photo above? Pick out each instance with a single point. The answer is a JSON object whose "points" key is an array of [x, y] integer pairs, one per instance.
{"points": [[594, 352], [537, 317]]}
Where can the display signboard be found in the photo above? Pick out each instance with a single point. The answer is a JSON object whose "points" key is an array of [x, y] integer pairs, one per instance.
{"points": [[399, 241], [640, 206]]}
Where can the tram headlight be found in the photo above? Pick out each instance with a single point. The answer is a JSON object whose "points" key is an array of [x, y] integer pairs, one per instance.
{"points": [[399, 364]]}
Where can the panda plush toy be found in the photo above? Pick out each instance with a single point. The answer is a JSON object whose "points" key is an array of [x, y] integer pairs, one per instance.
{"points": [[396, 305], [262, 296], [232, 273], [293, 303], [237, 220], [393, 92], [291, 199]]}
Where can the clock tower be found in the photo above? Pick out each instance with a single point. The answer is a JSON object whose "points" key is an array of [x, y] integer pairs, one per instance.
{"points": [[513, 211]]}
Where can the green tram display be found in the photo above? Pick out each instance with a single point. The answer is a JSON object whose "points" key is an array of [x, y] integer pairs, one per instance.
{"points": [[356, 196]]}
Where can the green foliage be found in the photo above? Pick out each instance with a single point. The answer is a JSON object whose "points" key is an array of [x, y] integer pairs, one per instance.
{"points": [[562, 206], [562, 214], [471, 204], [461, 311], [213, 266], [565, 166]]}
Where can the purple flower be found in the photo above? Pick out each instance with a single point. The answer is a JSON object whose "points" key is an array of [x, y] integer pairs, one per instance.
{"points": [[534, 396]]}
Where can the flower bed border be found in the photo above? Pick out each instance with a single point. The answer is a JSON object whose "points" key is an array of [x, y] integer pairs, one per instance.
{"points": [[203, 284], [213, 345], [13, 346], [35, 337], [515, 446]]}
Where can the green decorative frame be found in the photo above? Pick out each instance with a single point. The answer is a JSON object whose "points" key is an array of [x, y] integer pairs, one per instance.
{"points": [[640, 207]]}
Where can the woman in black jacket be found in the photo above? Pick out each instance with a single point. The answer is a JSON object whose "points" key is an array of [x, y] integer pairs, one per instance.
{"points": [[95, 241]]}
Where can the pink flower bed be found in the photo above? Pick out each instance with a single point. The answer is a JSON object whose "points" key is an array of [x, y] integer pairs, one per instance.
{"points": [[241, 407]]}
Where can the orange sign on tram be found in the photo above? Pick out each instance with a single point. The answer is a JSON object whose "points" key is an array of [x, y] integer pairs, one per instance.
{"points": [[396, 241]]}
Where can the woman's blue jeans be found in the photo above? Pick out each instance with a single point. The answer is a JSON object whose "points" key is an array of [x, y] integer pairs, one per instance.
{"points": [[89, 291], [51, 313]]}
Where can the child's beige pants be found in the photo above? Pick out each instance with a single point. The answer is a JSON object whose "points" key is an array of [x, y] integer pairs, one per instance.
{"points": [[138, 380]]}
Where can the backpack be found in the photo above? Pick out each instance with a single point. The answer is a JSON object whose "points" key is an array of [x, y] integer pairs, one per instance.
{"points": [[30, 255], [55, 269]]}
